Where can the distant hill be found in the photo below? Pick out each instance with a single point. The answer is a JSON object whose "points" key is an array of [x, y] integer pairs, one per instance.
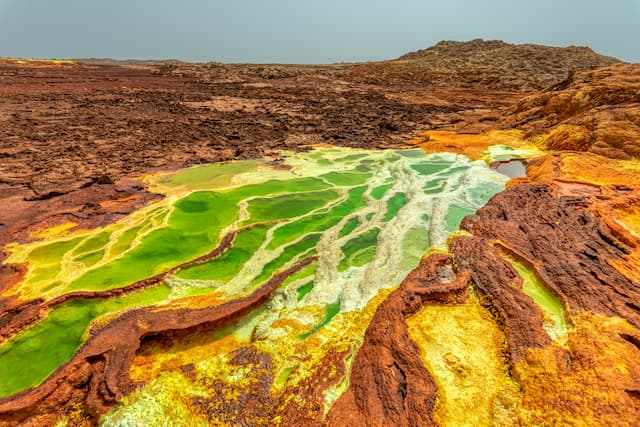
{"points": [[124, 62], [478, 64], [492, 64]]}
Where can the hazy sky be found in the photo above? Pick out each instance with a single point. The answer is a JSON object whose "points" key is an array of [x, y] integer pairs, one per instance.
{"points": [[303, 31]]}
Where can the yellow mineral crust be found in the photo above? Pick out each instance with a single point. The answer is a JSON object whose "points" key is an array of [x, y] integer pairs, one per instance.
{"points": [[282, 366], [461, 345], [590, 384], [585, 168], [474, 146]]}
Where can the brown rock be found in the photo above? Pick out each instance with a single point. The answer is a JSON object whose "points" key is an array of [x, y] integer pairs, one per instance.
{"points": [[597, 111], [488, 64], [569, 246]]}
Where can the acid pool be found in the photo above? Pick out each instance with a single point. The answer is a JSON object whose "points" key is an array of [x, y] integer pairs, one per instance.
{"points": [[367, 217]]}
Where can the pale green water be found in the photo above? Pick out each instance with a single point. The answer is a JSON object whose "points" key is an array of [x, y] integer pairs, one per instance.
{"points": [[552, 309]]}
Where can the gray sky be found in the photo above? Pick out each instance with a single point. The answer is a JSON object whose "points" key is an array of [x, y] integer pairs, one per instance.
{"points": [[299, 31]]}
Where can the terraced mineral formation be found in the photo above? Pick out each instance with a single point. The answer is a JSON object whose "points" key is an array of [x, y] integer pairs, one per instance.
{"points": [[535, 319], [257, 293], [323, 237], [443, 279]]}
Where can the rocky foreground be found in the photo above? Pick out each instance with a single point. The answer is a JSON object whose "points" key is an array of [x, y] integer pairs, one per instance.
{"points": [[73, 137]]}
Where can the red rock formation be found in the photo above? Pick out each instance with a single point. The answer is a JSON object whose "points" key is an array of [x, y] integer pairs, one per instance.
{"points": [[500, 288], [562, 237], [563, 223], [389, 384]]}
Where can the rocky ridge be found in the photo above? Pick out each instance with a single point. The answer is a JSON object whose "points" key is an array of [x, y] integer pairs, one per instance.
{"points": [[478, 63]]}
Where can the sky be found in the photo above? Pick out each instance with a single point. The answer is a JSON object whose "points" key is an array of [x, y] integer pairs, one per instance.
{"points": [[304, 31]]}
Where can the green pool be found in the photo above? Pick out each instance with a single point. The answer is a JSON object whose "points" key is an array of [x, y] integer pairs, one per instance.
{"points": [[367, 216]]}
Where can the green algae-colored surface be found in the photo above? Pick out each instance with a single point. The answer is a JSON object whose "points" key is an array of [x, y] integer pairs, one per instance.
{"points": [[345, 179], [319, 222], [304, 289], [330, 312], [227, 266], [205, 176], [305, 273], [429, 168], [289, 252], [455, 216], [379, 192], [414, 245], [552, 309], [351, 225], [31, 356], [365, 216], [394, 204], [363, 244], [289, 205]]}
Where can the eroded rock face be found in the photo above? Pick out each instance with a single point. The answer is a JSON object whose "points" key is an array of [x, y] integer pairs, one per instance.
{"points": [[575, 228], [501, 286], [562, 227], [389, 384], [572, 249], [597, 111]]}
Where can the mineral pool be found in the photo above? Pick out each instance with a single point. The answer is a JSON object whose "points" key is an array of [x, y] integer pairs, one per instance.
{"points": [[365, 217]]}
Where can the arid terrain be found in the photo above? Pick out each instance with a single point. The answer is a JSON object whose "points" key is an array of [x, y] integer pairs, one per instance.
{"points": [[77, 138], [66, 126]]}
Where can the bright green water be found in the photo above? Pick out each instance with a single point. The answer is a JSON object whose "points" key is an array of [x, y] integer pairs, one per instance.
{"points": [[364, 243], [351, 225], [320, 221], [394, 204], [227, 266], [36, 353], [304, 274], [330, 311], [289, 205], [367, 216], [304, 289], [379, 192]]}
